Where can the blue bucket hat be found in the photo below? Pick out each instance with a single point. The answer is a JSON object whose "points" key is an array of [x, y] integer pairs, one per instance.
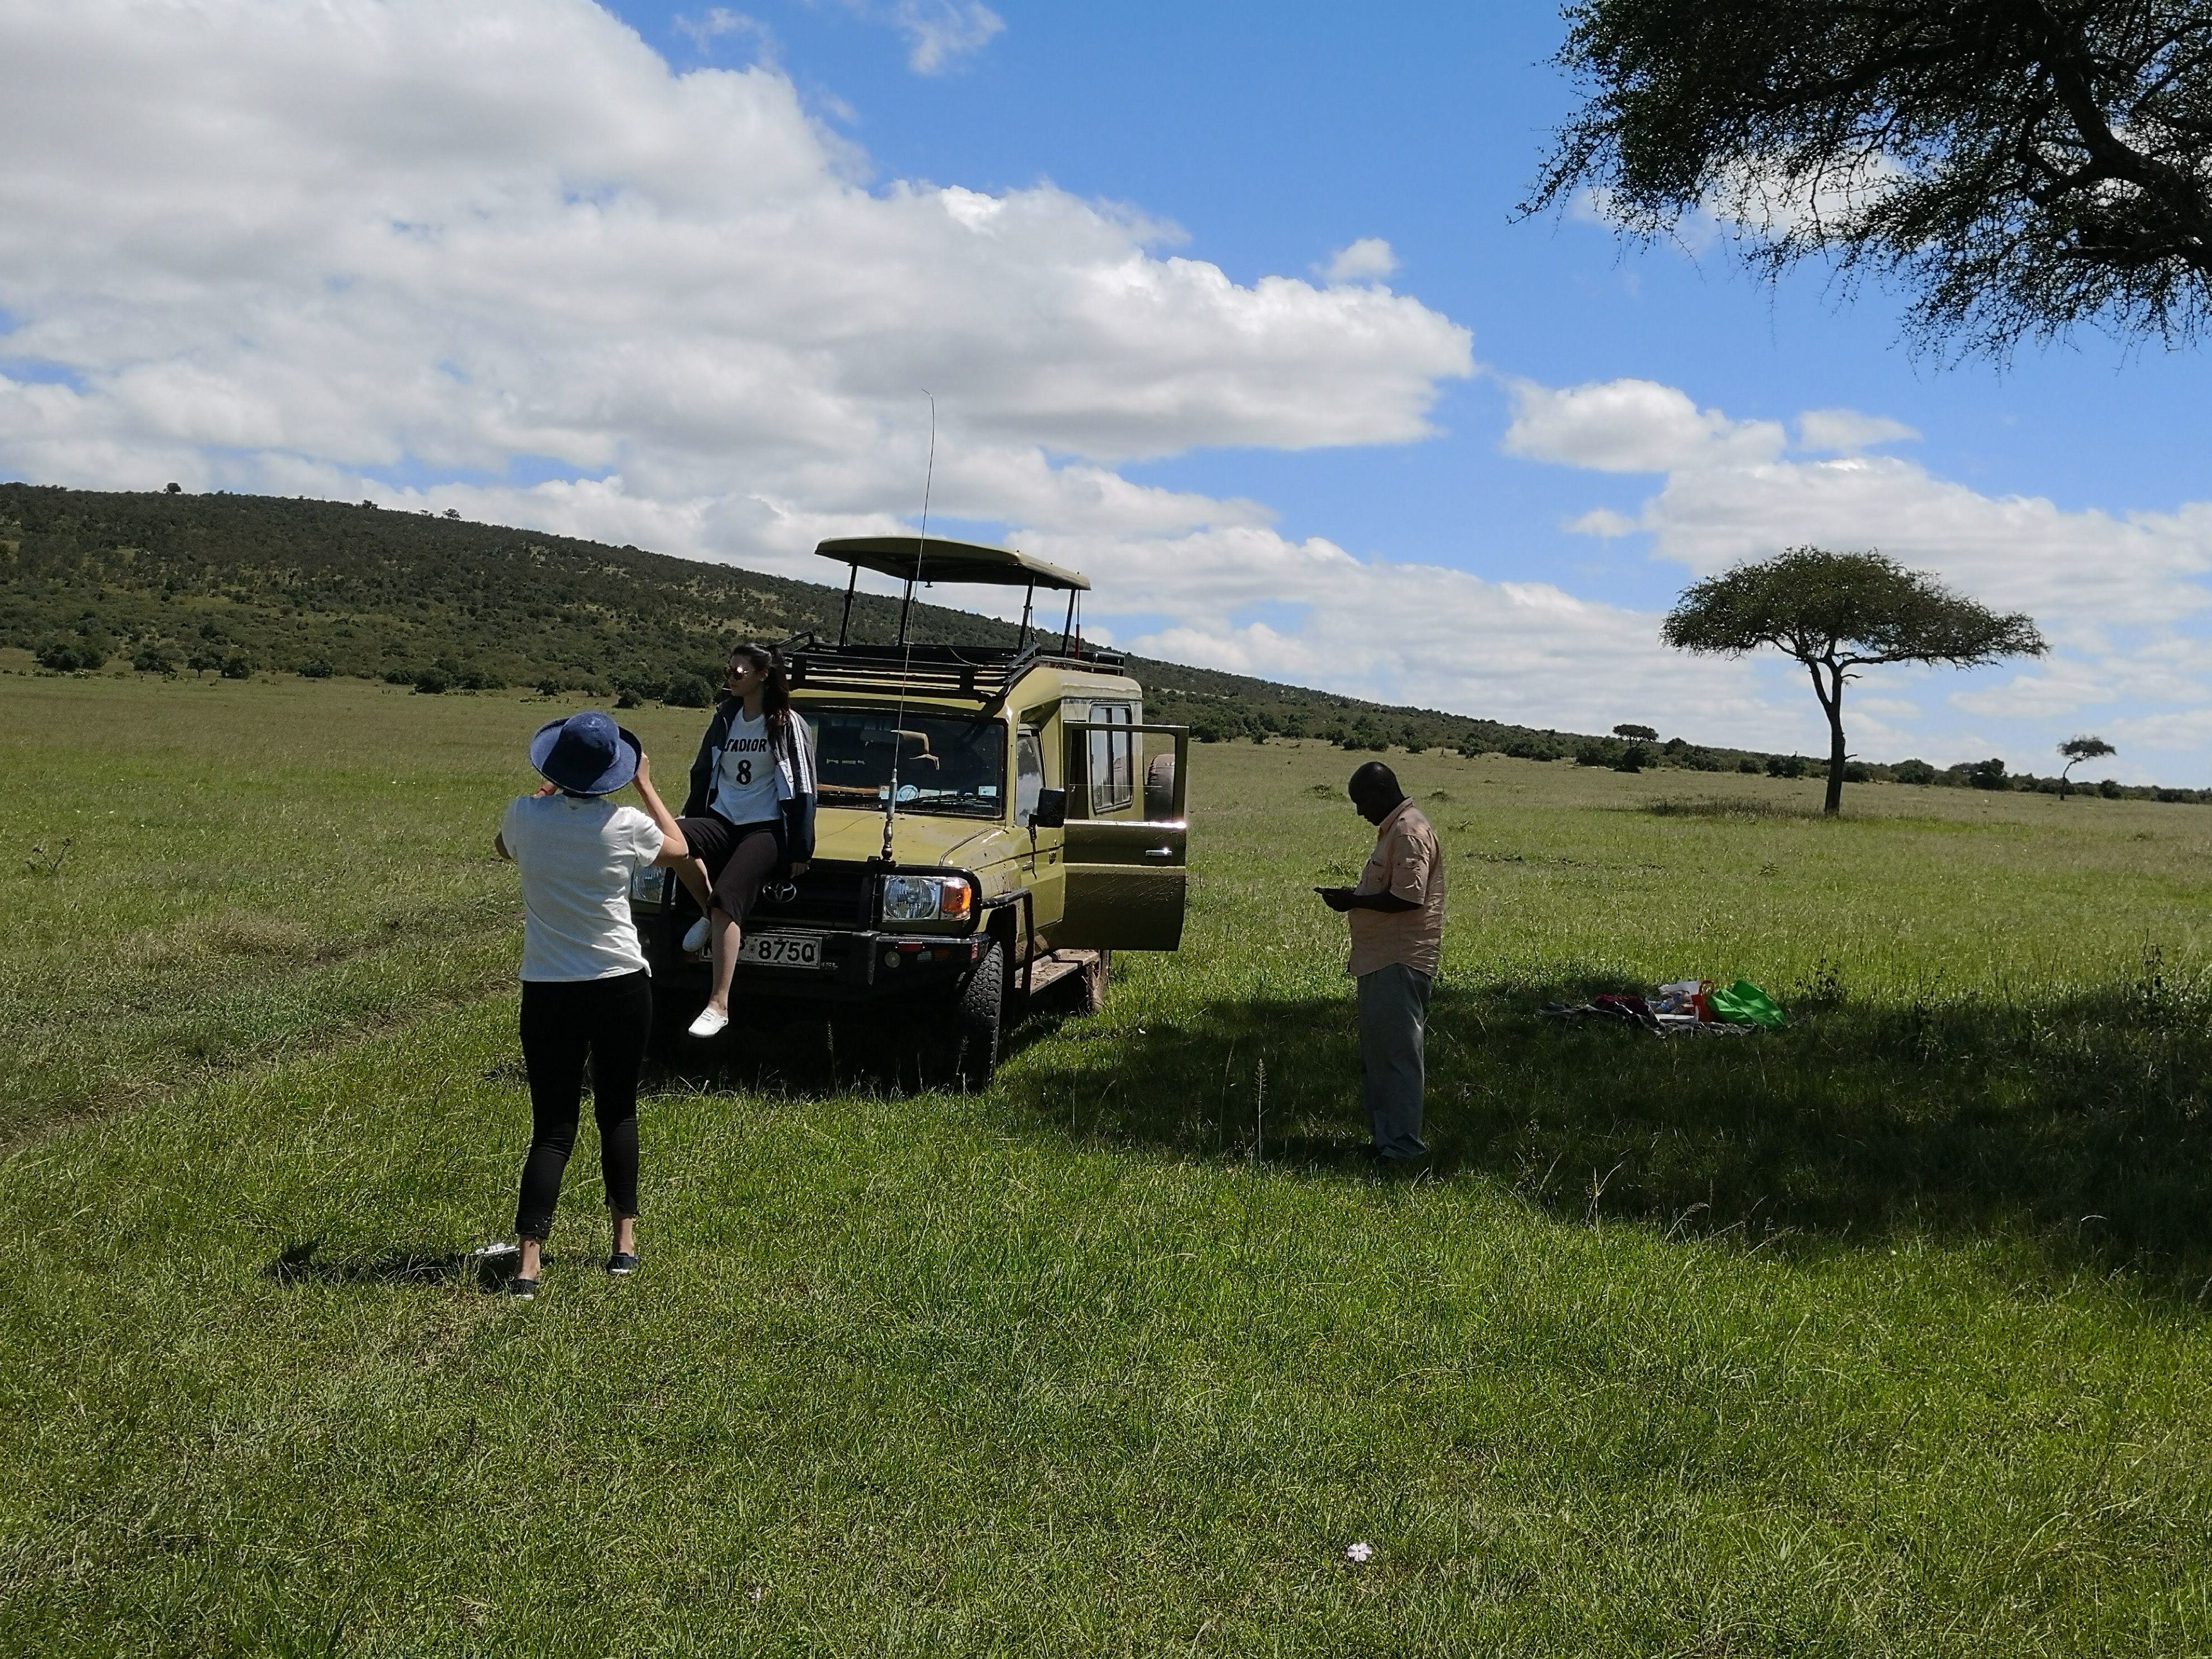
{"points": [[586, 754]]}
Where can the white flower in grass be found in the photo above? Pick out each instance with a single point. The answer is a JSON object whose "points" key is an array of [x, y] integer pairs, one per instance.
{"points": [[1360, 1553]]}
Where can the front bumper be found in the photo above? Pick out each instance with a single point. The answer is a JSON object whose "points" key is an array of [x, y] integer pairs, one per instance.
{"points": [[857, 964]]}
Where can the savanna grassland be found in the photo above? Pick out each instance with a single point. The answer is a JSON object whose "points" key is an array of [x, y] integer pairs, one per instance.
{"points": [[1883, 1334]]}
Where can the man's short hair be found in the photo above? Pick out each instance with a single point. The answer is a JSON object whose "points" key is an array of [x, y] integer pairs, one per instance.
{"points": [[1375, 778]]}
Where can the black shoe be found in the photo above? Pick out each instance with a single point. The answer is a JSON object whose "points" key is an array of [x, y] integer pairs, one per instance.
{"points": [[522, 1290], [623, 1263]]}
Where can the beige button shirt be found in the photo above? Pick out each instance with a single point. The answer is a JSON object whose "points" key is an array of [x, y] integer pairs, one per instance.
{"points": [[1405, 861]]}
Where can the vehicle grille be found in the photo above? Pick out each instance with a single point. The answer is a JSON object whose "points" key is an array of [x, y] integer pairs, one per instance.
{"points": [[827, 896]]}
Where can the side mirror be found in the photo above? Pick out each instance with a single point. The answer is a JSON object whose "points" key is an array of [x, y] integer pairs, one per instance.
{"points": [[1050, 812]]}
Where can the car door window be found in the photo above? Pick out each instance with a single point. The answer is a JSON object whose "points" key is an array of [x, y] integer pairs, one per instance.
{"points": [[1113, 758], [1028, 775]]}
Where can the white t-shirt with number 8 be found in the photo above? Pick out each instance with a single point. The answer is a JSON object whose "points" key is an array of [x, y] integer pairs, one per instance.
{"points": [[744, 775]]}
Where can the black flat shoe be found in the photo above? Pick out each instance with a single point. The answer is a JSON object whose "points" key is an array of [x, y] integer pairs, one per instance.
{"points": [[623, 1263], [522, 1290]]}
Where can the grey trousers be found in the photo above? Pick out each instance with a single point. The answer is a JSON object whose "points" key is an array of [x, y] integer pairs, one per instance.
{"points": [[1394, 1002]]}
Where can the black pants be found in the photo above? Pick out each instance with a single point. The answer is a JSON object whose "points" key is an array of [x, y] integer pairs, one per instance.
{"points": [[563, 1021]]}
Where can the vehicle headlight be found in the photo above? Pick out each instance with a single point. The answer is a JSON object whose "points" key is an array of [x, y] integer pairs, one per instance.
{"points": [[927, 898]]}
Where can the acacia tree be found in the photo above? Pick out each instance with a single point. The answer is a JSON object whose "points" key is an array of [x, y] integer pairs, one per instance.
{"points": [[2077, 750], [2023, 165], [1838, 613]]}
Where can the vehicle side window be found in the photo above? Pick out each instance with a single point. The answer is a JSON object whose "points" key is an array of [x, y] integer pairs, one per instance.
{"points": [[1028, 774], [1113, 758]]}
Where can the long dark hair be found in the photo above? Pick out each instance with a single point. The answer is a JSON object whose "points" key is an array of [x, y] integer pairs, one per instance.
{"points": [[775, 697]]}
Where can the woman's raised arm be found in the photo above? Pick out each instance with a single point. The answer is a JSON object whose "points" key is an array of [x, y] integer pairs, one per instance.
{"points": [[674, 849]]}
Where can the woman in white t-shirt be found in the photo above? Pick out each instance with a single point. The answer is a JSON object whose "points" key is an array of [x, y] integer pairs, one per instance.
{"points": [[586, 989], [749, 812]]}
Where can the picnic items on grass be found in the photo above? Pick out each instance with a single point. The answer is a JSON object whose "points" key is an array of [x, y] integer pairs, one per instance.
{"points": [[1686, 1007], [1744, 1001]]}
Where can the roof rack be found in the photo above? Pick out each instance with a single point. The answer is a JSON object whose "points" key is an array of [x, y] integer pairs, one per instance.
{"points": [[977, 673], [924, 559], [937, 559]]}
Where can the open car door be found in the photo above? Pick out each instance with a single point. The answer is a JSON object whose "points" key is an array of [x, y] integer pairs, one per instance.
{"points": [[1125, 835]]}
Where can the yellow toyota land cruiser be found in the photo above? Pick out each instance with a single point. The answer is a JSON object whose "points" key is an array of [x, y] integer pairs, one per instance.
{"points": [[992, 822]]}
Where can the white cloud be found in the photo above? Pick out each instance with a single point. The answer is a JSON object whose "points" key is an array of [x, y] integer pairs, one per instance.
{"points": [[1846, 431], [1888, 708], [1631, 426], [1603, 521], [2066, 686], [1730, 494], [717, 21], [1417, 634], [415, 234], [2112, 591], [2075, 571], [1369, 259], [939, 32], [1758, 201]]}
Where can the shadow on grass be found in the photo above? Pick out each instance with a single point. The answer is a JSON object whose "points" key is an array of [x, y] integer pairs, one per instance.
{"points": [[1746, 807], [304, 1264], [801, 1049], [2077, 1123]]}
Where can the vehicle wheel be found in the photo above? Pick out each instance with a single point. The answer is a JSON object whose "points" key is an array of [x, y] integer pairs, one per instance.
{"points": [[962, 1050], [1159, 788], [1094, 983]]}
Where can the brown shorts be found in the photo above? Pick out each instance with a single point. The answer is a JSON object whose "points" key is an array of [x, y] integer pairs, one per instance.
{"points": [[739, 858]]}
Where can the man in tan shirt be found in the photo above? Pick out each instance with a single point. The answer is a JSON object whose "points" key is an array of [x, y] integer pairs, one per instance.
{"points": [[1397, 918]]}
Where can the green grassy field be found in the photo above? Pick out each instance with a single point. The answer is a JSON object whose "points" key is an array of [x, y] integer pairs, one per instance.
{"points": [[1884, 1335]]}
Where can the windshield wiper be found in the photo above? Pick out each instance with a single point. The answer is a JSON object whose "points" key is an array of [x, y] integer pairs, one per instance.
{"points": [[964, 809]]}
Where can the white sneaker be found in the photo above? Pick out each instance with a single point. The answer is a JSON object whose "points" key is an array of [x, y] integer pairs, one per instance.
{"points": [[710, 1022], [695, 937]]}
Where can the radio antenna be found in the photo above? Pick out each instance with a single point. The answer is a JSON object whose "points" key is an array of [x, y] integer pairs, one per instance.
{"points": [[906, 664]]}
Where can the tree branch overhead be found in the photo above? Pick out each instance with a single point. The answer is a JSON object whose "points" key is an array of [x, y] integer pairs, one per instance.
{"points": [[2023, 166]]}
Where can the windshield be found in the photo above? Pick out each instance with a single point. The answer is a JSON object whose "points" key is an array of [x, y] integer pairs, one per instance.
{"points": [[946, 764]]}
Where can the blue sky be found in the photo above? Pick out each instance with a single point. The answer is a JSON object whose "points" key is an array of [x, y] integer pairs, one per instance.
{"points": [[1555, 375], [1273, 134]]}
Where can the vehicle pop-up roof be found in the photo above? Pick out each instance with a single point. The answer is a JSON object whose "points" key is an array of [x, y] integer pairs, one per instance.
{"points": [[933, 559], [978, 671]]}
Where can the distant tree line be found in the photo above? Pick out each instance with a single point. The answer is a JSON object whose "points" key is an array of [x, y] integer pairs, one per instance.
{"points": [[237, 585]]}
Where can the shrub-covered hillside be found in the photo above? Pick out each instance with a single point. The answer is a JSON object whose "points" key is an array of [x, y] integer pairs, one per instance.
{"points": [[234, 584]]}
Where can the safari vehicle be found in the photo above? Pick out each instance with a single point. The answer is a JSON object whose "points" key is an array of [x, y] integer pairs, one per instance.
{"points": [[991, 823]]}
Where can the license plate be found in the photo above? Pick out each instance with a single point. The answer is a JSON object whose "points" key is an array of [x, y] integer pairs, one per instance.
{"points": [[780, 951]]}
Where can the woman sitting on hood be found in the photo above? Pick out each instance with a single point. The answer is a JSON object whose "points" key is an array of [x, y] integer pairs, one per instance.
{"points": [[750, 814]]}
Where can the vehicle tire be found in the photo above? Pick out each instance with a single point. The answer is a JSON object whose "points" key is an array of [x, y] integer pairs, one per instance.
{"points": [[962, 1051], [1159, 788]]}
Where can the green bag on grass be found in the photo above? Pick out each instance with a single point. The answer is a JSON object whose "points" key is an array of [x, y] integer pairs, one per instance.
{"points": [[1744, 1003]]}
